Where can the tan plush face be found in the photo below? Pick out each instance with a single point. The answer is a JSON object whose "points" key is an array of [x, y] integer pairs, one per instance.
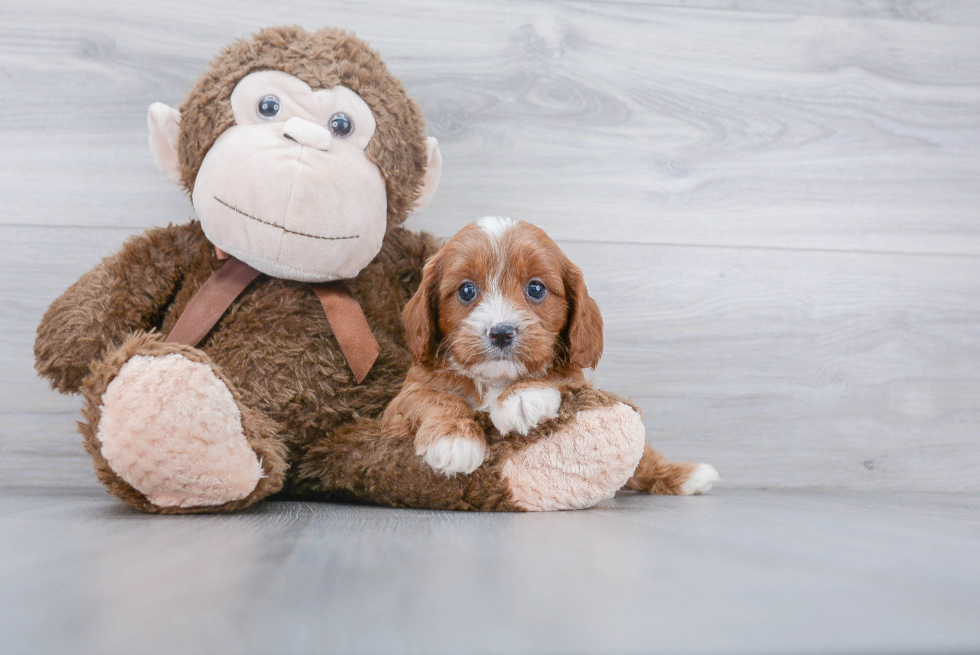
{"points": [[289, 188]]}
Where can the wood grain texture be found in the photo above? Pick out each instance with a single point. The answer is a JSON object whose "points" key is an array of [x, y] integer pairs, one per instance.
{"points": [[733, 572], [776, 204], [952, 12], [657, 124], [43, 450]]}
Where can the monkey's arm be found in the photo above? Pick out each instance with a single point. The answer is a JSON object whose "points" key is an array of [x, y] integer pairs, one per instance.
{"points": [[126, 292]]}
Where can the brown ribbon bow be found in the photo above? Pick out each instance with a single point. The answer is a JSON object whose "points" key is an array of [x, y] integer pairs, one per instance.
{"points": [[344, 314]]}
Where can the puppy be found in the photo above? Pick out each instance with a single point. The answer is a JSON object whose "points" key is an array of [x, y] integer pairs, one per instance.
{"points": [[501, 323]]}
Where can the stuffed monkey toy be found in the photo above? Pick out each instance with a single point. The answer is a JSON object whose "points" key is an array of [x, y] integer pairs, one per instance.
{"points": [[250, 352]]}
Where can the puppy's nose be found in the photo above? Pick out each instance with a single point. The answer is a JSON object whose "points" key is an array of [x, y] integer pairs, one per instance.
{"points": [[502, 335]]}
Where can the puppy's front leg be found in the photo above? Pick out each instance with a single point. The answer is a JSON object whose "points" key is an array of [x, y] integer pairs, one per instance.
{"points": [[447, 437], [451, 445], [523, 405]]}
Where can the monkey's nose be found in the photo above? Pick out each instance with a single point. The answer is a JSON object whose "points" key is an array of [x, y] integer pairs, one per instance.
{"points": [[502, 335], [306, 133]]}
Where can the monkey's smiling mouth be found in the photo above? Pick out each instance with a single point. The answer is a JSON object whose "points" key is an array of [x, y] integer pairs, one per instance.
{"points": [[282, 227]]}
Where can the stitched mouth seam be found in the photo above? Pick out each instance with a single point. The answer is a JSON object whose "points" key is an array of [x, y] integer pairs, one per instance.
{"points": [[281, 227]]}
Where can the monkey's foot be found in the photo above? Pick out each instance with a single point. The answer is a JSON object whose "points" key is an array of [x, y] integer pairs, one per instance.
{"points": [[581, 463], [172, 430]]}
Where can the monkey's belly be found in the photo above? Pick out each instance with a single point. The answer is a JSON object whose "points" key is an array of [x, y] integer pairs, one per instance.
{"points": [[277, 348]]}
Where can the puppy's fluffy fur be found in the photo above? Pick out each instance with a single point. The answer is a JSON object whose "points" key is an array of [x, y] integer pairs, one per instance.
{"points": [[501, 323]]}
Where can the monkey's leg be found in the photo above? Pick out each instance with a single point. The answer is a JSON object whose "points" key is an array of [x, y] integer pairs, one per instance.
{"points": [[570, 462], [168, 433], [362, 461], [655, 475]]}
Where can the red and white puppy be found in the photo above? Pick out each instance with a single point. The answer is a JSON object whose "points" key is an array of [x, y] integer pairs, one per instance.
{"points": [[501, 322]]}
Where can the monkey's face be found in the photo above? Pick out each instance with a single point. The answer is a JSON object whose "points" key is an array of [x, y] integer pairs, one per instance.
{"points": [[301, 184], [289, 189]]}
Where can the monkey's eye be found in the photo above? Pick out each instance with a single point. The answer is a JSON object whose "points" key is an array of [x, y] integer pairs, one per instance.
{"points": [[268, 107], [466, 292], [341, 125], [536, 290]]}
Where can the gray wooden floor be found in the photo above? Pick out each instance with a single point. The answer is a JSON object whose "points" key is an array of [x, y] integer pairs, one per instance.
{"points": [[738, 571], [776, 204]]}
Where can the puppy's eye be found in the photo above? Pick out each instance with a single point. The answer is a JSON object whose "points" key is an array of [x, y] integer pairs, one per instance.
{"points": [[467, 291], [536, 290], [268, 107]]}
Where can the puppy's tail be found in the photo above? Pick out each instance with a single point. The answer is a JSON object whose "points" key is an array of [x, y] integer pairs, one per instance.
{"points": [[655, 475]]}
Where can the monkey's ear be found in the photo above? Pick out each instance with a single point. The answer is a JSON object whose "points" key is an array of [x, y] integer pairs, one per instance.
{"points": [[164, 124], [433, 171]]}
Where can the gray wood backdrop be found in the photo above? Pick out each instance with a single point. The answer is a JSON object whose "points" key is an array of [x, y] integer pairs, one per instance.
{"points": [[776, 204]]}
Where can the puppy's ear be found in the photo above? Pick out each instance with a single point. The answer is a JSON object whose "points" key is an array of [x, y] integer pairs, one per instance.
{"points": [[421, 314], [583, 334]]}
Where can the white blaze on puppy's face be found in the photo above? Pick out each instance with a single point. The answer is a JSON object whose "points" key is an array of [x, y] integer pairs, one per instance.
{"points": [[494, 309], [496, 226]]}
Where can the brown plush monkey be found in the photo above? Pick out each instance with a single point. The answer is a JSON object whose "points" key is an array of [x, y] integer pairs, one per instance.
{"points": [[303, 156]]}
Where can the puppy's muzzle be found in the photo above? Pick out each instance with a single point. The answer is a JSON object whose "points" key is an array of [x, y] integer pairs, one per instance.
{"points": [[502, 335]]}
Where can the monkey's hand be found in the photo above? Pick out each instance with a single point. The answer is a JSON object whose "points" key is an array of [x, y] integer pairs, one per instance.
{"points": [[127, 292]]}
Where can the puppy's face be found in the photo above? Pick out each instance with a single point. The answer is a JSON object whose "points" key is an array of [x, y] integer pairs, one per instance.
{"points": [[501, 301]]}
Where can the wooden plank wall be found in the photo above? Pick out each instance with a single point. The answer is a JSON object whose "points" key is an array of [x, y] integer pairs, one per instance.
{"points": [[777, 204]]}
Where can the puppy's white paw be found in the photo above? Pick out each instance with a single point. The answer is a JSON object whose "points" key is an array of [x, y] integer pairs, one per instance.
{"points": [[522, 410], [451, 455], [701, 480]]}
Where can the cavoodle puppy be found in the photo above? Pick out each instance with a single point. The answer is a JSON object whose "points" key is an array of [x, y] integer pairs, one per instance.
{"points": [[501, 323]]}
